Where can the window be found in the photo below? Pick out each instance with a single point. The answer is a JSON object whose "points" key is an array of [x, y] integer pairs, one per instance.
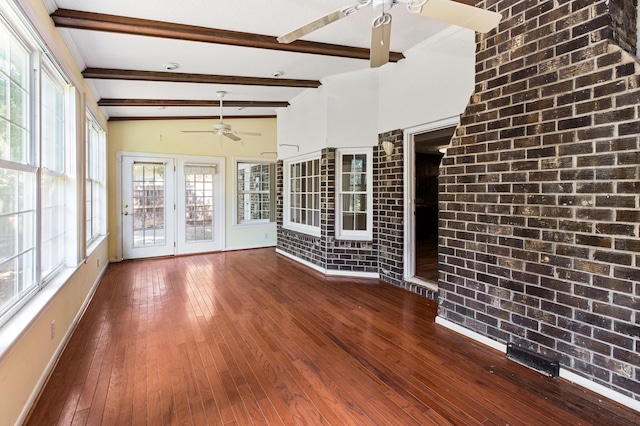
{"points": [[302, 196], [354, 200], [95, 199], [53, 179], [38, 195], [17, 173], [255, 192]]}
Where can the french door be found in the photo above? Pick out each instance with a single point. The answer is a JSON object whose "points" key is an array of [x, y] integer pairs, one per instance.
{"points": [[171, 205]]}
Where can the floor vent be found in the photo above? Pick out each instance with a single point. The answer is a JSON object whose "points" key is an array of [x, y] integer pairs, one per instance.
{"points": [[533, 360]]}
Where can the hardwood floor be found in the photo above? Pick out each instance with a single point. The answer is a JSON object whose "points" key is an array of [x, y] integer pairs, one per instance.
{"points": [[251, 337], [427, 259]]}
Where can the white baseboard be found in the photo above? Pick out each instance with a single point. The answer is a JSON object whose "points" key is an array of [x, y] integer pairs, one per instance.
{"points": [[472, 334], [599, 389], [329, 272], [44, 378], [564, 373]]}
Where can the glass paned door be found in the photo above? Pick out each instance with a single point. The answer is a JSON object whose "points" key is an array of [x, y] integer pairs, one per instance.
{"points": [[199, 207], [147, 207]]}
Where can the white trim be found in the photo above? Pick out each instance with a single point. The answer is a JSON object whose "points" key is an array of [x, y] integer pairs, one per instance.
{"points": [[44, 378], [430, 285], [286, 183], [302, 261], [599, 389], [410, 190], [329, 272], [252, 246], [272, 185], [501, 347], [341, 234], [564, 373], [355, 274]]}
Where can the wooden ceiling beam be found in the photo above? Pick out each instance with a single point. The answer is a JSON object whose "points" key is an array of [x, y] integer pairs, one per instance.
{"points": [[191, 117], [65, 18], [189, 103], [117, 74]]}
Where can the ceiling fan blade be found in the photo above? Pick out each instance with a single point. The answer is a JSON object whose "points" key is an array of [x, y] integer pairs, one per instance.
{"points": [[316, 25], [197, 131], [380, 38], [461, 14], [248, 133], [231, 136]]}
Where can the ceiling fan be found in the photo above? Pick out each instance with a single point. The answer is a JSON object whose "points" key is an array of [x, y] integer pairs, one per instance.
{"points": [[222, 128], [457, 12]]}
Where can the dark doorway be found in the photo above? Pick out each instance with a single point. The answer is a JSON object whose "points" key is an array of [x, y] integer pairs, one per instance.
{"points": [[429, 150]]}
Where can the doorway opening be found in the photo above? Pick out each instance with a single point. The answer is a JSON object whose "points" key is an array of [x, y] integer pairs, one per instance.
{"points": [[425, 149], [429, 150]]}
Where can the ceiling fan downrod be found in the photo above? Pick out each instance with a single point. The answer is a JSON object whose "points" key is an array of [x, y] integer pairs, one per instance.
{"points": [[221, 94]]}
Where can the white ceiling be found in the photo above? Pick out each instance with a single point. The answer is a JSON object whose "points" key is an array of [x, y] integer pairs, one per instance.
{"points": [[268, 17]]}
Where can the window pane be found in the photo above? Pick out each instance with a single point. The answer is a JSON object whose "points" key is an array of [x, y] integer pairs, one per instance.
{"points": [[148, 205], [53, 124], [53, 229], [199, 198], [17, 236]]}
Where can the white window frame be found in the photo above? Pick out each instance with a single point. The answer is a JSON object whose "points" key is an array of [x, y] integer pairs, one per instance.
{"points": [[57, 174], [288, 223], [239, 191], [41, 62], [367, 234], [95, 181]]}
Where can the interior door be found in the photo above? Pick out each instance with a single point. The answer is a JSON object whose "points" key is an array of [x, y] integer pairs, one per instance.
{"points": [[148, 208]]}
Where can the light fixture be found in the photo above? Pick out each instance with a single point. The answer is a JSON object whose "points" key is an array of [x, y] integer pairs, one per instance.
{"points": [[388, 146], [442, 150], [171, 66]]}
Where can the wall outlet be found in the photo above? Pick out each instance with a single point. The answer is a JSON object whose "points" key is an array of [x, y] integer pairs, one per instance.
{"points": [[266, 235], [53, 329]]}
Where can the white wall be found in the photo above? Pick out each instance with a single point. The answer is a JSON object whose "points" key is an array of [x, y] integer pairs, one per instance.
{"points": [[433, 82]]}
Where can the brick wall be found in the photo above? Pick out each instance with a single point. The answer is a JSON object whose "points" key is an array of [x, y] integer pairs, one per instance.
{"points": [[388, 207], [325, 251], [540, 205]]}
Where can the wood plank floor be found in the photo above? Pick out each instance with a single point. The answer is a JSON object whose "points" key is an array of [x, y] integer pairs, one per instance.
{"points": [[251, 337]]}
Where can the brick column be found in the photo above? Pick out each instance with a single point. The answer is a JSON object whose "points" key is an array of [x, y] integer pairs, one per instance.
{"points": [[540, 207]]}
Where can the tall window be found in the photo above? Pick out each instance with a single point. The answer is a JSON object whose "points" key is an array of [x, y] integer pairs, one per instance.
{"points": [[302, 196], [354, 200], [255, 192], [38, 197], [95, 180], [53, 177], [17, 173]]}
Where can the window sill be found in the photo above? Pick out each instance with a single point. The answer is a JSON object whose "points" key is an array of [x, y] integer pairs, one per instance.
{"points": [[15, 328], [303, 230], [95, 244], [368, 238], [254, 224]]}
